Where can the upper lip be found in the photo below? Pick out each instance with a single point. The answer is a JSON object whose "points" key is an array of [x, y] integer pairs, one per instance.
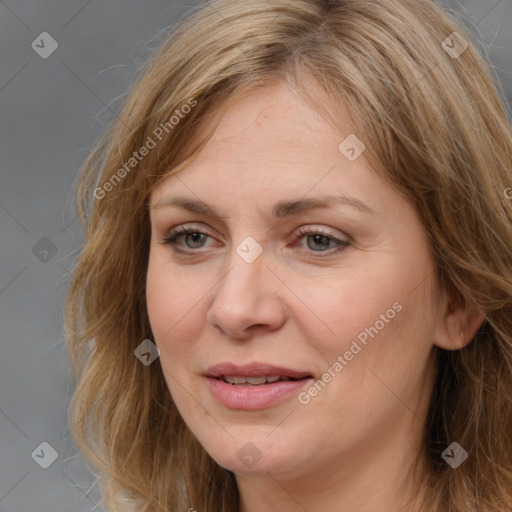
{"points": [[255, 369]]}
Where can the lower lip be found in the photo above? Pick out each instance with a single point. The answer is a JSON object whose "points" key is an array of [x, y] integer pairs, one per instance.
{"points": [[254, 397]]}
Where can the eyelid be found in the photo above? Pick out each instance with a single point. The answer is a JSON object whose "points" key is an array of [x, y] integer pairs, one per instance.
{"points": [[186, 228], [311, 228]]}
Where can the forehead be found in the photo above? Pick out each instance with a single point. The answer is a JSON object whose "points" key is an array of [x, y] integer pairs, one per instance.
{"points": [[272, 139]]}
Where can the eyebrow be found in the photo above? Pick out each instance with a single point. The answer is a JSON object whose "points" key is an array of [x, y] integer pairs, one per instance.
{"points": [[280, 209]]}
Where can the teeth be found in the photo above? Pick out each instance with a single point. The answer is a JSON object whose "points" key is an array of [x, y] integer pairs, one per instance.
{"points": [[255, 381]]}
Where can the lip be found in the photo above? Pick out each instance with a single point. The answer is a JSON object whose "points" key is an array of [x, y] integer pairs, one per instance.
{"points": [[254, 397], [255, 369]]}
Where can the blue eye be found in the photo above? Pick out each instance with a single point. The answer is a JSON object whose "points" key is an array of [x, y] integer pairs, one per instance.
{"points": [[195, 239], [322, 239], [175, 233]]}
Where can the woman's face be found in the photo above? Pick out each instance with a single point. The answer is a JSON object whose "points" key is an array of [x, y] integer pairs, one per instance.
{"points": [[265, 283]]}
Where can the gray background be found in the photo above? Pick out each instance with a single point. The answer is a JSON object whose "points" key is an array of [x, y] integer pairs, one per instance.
{"points": [[51, 111]]}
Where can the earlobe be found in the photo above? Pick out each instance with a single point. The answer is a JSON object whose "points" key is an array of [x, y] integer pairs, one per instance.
{"points": [[474, 320], [453, 342]]}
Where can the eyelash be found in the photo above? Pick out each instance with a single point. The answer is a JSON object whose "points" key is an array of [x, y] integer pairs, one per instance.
{"points": [[170, 239]]}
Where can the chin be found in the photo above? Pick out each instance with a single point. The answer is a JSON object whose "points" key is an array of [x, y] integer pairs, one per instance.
{"points": [[256, 457]]}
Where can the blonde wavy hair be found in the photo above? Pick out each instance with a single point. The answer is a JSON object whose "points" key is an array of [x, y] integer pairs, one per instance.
{"points": [[434, 124]]}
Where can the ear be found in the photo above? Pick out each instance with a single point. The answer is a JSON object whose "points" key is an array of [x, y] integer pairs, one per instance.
{"points": [[457, 323]]}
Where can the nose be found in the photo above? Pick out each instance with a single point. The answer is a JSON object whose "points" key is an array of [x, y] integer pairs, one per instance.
{"points": [[248, 300]]}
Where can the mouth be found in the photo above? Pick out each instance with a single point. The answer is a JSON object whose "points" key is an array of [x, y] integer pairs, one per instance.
{"points": [[255, 385], [239, 380], [254, 373]]}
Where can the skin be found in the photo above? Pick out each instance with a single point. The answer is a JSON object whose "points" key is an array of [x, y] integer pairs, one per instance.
{"points": [[351, 447]]}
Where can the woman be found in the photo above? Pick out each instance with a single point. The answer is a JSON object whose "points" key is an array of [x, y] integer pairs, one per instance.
{"points": [[296, 287]]}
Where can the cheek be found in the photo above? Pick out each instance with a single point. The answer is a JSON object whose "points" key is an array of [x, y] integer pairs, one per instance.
{"points": [[175, 310], [378, 317], [160, 304], [167, 312], [339, 310], [164, 305]]}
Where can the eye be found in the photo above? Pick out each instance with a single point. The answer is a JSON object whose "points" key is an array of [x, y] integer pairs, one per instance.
{"points": [[195, 238], [318, 239], [193, 235]]}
